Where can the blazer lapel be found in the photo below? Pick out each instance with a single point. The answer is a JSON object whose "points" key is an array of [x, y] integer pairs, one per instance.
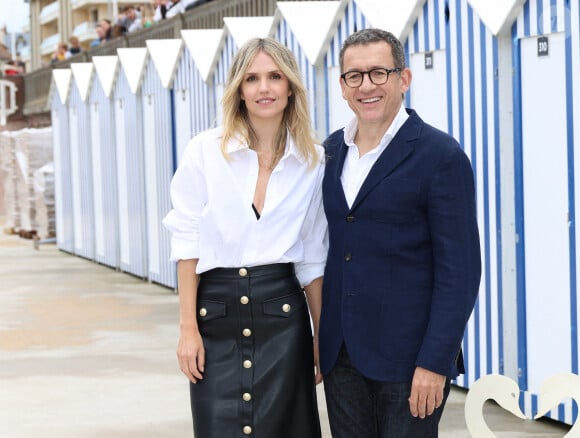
{"points": [[337, 172], [396, 152]]}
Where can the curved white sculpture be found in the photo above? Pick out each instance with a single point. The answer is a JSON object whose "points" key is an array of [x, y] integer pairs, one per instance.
{"points": [[555, 389], [496, 387]]}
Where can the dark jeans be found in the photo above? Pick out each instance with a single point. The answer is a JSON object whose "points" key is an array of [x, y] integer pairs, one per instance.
{"points": [[359, 407]]}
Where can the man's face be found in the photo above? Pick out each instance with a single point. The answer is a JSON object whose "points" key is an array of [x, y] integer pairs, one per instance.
{"points": [[131, 13], [374, 104]]}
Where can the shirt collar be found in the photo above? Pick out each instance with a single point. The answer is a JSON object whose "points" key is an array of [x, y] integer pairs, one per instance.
{"points": [[236, 144], [351, 128]]}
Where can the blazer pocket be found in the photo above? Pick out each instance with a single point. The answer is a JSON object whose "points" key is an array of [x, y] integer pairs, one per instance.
{"points": [[208, 310], [284, 306]]}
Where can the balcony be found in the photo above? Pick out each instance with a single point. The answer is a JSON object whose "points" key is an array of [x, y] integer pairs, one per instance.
{"points": [[85, 31], [49, 44], [77, 4], [49, 13]]}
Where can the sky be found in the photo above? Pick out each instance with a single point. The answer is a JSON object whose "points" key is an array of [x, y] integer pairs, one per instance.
{"points": [[14, 14]]}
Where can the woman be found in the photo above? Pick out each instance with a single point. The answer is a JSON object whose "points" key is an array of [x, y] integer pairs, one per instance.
{"points": [[249, 233]]}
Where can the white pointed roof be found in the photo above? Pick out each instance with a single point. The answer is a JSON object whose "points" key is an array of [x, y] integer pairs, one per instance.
{"points": [[393, 15], [83, 76], [62, 79], [498, 15], [313, 23], [106, 68], [165, 55], [204, 46], [133, 60], [243, 29]]}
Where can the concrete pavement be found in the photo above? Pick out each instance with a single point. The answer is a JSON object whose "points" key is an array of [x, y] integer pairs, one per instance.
{"points": [[86, 351]]}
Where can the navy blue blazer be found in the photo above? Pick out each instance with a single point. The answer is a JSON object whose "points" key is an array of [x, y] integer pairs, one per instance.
{"points": [[404, 262]]}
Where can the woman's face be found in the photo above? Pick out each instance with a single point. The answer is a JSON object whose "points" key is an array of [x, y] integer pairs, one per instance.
{"points": [[265, 89]]}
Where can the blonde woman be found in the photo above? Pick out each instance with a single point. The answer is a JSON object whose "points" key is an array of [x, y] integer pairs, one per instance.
{"points": [[250, 239]]}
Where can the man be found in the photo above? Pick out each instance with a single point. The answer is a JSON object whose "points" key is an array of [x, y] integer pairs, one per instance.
{"points": [[130, 18], [404, 265]]}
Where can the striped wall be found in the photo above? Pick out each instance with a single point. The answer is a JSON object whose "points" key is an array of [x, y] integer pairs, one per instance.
{"points": [[130, 179], [81, 175], [194, 103], [104, 160], [159, 147], [546, 120], [285, 35], [63, 174]]}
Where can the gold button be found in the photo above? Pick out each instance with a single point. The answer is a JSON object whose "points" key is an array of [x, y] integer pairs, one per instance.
{"points": [[244, 300], [247, 364], [247, 430], [286, 308], [247, 396], [202, 311], [247, 332], [243, 272]]}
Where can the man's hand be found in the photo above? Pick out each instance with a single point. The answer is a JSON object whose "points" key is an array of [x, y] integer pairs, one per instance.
{"points": [[426, 392]]}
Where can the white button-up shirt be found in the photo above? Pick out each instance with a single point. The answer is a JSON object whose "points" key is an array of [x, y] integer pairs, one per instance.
{"points": [[212, 217], [356, 168]]}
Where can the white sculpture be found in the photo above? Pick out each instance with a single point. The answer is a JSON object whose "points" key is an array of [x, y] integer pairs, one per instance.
{"points": [[555, 389], [506, 393], [500, 388]]}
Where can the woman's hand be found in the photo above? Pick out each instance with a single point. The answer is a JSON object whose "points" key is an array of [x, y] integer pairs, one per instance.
{"points": [[191, 354]]}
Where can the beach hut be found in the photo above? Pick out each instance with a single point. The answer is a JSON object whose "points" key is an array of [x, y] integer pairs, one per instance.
{"points": [[60, 89], [104, 160], [131, 196], [81, 161]]}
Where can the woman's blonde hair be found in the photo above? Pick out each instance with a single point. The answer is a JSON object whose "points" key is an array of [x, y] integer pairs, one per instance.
{"points": [[296, 117]]}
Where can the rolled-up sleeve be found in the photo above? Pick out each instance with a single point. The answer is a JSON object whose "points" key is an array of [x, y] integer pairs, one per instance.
{"points": [[188, 198], [314, 238]]}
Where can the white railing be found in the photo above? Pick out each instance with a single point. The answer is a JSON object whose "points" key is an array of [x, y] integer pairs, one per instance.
{"points": [[49, 13]]}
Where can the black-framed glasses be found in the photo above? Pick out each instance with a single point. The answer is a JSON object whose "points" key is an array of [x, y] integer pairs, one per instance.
{"points": [[377, 76]]}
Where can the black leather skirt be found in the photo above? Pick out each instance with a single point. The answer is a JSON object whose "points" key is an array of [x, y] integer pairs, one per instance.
{"points": [[259, 375]]}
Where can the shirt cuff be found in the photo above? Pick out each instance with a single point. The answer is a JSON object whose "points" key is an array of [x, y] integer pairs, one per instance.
{"points": [[308, 272], [183, 248]]}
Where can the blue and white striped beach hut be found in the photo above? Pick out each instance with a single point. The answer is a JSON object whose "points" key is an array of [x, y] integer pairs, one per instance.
{"points": [[104, 160], [60, 89], [131, 195], [306, 28], [195, 96], [160, 157], [546, 119], [81, 161]]}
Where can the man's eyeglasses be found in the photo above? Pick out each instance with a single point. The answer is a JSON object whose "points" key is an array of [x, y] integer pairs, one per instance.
{"points": [[377, 76]]}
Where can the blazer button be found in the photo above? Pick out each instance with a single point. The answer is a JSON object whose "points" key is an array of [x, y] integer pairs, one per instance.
{"points": [[286, 308], [247, 332], [247, 364], [243, 272], [244, 300], [348, 257], [247, 396], [202, 312], [350, 218], [247, 430]]}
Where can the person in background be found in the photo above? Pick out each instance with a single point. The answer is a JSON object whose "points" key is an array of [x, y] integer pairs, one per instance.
{"points": [[167, 9], [103, 30], [60, 53], [249, 234], [130, 18], [74, 47], [118, 30], [404, 265]]}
